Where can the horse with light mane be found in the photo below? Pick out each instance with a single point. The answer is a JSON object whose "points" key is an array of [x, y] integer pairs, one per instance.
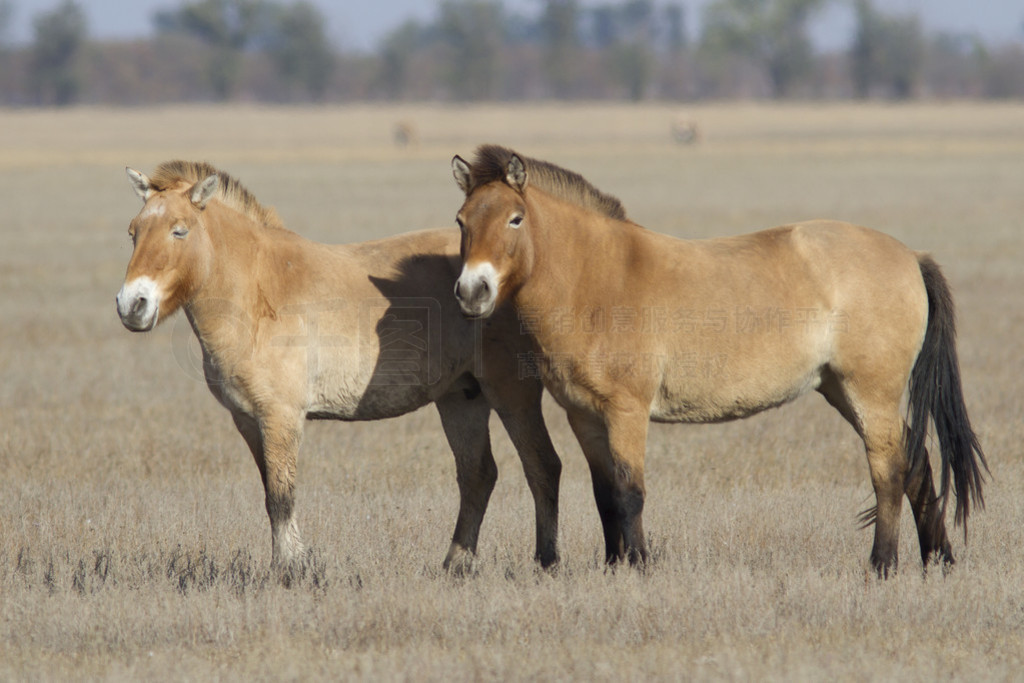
{"points": [[291, 330], [630, 326]]}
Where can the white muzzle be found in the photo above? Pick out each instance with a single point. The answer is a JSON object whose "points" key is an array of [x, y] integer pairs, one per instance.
{"points": [[138, 304], [477, 289]]}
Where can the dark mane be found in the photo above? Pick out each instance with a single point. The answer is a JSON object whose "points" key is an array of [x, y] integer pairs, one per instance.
{"points": [[229, 191], [491, 163]]}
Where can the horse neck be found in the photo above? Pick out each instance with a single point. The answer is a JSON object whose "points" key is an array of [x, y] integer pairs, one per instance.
{"points": [[565, 240], [227, 295]]}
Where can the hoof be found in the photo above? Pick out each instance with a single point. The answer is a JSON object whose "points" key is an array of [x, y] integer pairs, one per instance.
{"points": [[547, 561], [297, 569], [459, 561]]}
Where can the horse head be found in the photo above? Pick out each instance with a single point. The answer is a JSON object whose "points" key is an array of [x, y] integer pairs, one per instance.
{"points": [[496, 248], [170, 254]]}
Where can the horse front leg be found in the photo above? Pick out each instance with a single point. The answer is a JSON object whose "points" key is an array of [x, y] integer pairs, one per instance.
{"points": [[627, 441], [614, 445], [274, 442]]}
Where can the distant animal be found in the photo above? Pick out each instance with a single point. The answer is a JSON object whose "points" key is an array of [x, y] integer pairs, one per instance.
{"points": [[292, 330], [685, 132], [632, 326], [405, 134]]}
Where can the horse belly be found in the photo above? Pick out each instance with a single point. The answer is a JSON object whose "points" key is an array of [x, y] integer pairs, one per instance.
{"points": [[387, 389], [717, 391], [361, 398]]}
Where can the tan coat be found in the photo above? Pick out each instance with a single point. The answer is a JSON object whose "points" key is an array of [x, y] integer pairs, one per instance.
{"points": [[292, 330], [631, 325]]}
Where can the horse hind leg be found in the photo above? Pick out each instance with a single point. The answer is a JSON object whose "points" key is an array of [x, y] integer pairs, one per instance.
{"points": [[878, 422], [928, 514], [465, 422], [516, 398], [888, 464], [523, 419]]}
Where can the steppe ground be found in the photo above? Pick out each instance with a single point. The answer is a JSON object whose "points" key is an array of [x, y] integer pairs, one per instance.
{"points": [[133, 538]]}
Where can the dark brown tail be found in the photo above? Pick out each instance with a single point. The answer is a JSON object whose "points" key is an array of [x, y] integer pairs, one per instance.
{"points": [[935, 390]]}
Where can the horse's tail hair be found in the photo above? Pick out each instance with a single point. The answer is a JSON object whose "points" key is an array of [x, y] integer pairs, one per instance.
{"points": [[935, 390]]}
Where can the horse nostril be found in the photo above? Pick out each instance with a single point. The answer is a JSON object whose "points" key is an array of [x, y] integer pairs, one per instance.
{"points": [[140, 305], [458, 290], [485, 286]]}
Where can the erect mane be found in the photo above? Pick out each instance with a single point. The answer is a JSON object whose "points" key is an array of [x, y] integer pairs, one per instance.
{"points": [[229, 191], [491, 163]]}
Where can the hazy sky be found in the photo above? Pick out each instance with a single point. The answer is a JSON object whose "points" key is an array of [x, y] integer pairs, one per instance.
{"points": [[359, 24]]}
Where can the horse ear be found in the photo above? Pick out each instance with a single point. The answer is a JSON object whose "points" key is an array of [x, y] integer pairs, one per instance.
{"points": [[515, 174], [202, 191], [460, 169], [140, 183]]}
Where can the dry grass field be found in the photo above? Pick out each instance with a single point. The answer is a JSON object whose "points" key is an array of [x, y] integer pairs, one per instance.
{"points": [[133, 539]]}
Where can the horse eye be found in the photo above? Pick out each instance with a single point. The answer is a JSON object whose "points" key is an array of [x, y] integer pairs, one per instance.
{"points": [[180, 232], [516, 221]]}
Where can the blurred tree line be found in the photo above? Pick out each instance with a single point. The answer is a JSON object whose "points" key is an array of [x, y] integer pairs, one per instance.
{"points": [[274, 51]]}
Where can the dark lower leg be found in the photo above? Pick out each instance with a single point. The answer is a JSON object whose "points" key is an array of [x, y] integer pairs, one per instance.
{"points": [[543, 470], [475, 486], [545, 503], [465, 424], [607, 509], [885, 551], [631, 506], [928, 517]]}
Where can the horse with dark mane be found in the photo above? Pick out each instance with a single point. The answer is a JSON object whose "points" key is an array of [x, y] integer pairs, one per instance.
{"points": [[630, 325], [291, 330]]}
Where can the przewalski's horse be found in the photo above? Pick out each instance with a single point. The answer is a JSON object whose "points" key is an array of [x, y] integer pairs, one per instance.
{"points": [[631, 326], [293, 330]]}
